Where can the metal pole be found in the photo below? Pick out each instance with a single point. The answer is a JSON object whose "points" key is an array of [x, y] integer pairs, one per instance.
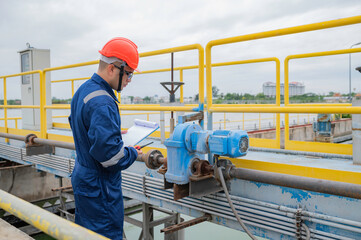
{"points": [[172, 94], [5, 110], [62, 203], [43, 220], [349, 69], [148, 232], [305, 183], [303, 153]]}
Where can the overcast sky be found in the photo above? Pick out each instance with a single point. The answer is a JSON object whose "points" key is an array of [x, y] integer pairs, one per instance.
{"points": [[74, 31]]}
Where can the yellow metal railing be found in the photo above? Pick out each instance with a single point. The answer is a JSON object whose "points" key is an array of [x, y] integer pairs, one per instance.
{"points": [[5, 106], [72, 82], [138, 107], [16, 119], [315, 146], [211, 108], [276, 109], [272, 143], [67, 126]]}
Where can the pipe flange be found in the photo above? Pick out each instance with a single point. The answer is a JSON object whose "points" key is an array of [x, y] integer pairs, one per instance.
{"points": [[227, 171], [226, 166], [29, 139], [152, 159]]}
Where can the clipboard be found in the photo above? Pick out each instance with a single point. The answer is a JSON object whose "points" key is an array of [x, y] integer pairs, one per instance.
{"points": [[139, 131]]}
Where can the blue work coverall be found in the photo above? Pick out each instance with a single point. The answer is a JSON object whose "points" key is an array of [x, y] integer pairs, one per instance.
{"points": [[101, 155]]}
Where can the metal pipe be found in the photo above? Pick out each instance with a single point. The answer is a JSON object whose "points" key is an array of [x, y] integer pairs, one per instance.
{"points": [[55, 143], [40, 141], [212, 212], [12, 136], [232, 207], [349, 69], [15, 167], [252, 218], [167, 195], [215, 213], [43, 220], [315, 154], [331, 218], [219, 198], [348, 228], [288, 109], [305, 183], [314, 231], [274, 215]]}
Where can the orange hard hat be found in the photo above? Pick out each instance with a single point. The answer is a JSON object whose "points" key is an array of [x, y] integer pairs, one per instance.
{"points": [[124, 49]]}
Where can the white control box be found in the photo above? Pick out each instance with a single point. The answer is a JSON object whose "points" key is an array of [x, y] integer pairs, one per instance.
{"points": [[34, 59]]}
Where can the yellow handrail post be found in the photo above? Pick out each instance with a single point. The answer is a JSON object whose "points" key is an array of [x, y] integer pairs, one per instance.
{"points": [[224, 120], [278, 130], [181, 87], [43, 127], [72, 88], [278, 102], [147, 116], [243, 121], [16, 123], [287, 131], [5, 110]]}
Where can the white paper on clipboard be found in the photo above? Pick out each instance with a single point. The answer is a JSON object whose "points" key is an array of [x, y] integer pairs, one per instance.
{"points": [[139, 131]]}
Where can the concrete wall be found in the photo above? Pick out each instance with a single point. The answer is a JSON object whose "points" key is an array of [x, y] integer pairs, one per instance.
{"points": [[28, 183]]}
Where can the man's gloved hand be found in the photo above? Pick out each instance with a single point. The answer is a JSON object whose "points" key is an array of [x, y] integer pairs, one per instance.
{"points": [[138, 148]]}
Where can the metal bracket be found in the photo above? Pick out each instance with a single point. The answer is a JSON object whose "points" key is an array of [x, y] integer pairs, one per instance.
{"points": [[204, 187], [144, 187], [167, 185], [186, 224], [298, 216], [191, 117], [180, 191], [39, 149], [33, 148]]}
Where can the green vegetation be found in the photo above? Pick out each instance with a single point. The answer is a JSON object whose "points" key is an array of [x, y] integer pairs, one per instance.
{"points": [[339, 116], [11, 102], [307, 98], [55, 100], [260, 98]]}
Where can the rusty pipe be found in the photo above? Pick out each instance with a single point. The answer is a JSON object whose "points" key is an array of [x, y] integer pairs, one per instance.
{"points": [[304, 183], [153, 159]]}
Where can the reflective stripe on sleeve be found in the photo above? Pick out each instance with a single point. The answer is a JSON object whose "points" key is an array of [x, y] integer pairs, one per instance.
{"points": [[95, 94], [115, 159]]}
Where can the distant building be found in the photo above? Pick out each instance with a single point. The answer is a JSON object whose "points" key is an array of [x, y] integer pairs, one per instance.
{"points": [[137, 100], [295, 89], [336, 98]]}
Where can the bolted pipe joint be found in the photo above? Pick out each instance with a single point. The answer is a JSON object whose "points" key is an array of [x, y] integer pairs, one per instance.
{"points": [[153, 159], [29, 139], [226, 167]]}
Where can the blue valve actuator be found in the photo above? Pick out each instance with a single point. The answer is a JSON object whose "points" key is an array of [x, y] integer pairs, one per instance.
{"points": [[189, 143]]}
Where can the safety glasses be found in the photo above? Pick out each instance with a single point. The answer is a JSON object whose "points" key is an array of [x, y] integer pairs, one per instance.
{"points": [[129, 74]]}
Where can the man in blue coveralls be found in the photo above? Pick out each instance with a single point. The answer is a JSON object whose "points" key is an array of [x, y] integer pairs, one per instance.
{"points": [[101, 154]]}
